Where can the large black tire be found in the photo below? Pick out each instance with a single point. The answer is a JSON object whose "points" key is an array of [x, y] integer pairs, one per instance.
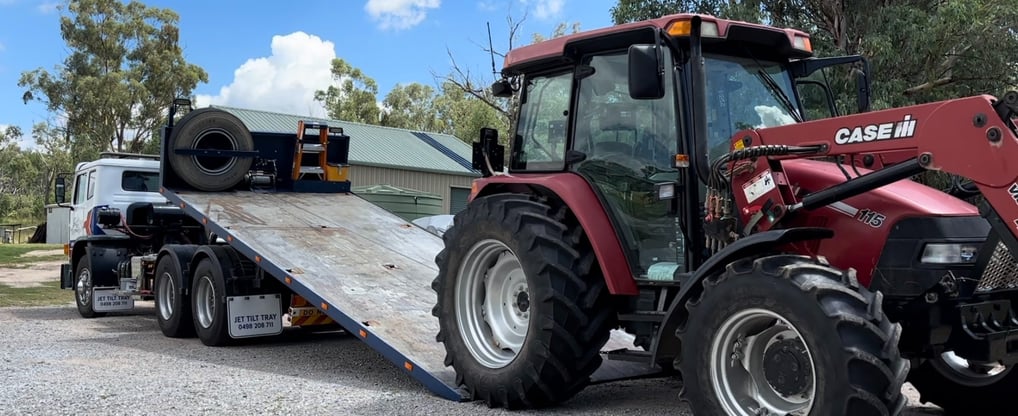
{"points": [[208, 304], [210, 129], [959, 393], [852, 346], [570, 317], [173, 305], [84, 284]]}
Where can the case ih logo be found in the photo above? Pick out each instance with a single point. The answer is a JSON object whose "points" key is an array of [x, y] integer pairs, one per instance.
{"points": [[884, 131]]}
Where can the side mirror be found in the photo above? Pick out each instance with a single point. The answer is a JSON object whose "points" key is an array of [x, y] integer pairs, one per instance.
{"points": [[488, 155], [502, 89], [646, 78], [60, 190], [862, 82]]}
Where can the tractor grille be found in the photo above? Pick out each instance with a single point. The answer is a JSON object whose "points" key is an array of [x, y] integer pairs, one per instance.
{"points": [[1001, 272]]}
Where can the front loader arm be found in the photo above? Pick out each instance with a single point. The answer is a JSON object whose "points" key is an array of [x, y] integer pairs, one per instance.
{"points": [[973, 137]]}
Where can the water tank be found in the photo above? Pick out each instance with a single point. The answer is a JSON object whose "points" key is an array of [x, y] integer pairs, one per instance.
{"points": [[409, 204]]}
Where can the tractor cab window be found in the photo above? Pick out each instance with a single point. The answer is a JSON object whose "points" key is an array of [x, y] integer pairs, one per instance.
{"points": [[629, 147], [740, 96], [540, 142]]}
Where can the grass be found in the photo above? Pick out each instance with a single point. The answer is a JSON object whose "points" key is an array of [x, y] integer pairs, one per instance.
{"points": [[48, 294], [10, 254]]}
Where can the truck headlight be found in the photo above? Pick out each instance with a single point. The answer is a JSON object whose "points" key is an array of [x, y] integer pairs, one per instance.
{"points": [[949, 253]]}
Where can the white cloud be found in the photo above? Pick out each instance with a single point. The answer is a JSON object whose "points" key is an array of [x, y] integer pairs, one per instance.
{"points": [[47, 7], [546, 9], [399, 14], [2, 47], [488, 5], [284, 81]]}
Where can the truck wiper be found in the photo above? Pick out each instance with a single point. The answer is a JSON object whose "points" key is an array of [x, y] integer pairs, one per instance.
{"points": [[778, 93]]}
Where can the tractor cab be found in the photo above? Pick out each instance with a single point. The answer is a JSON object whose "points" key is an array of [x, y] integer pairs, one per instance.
{"points": [[619, 108]]}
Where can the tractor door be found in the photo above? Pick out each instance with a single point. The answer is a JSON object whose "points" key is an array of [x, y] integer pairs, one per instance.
{"points": [[630, 146]]}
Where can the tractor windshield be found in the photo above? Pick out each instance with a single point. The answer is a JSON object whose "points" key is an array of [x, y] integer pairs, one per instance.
{"points": [[744, 93]]}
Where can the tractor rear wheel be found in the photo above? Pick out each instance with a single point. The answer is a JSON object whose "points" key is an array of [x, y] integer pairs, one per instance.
{"points": [[789, 334], [962, 387], [523, 309]]}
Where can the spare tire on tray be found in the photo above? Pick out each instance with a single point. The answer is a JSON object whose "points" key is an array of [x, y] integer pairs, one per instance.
{"points": [[210, 129]]}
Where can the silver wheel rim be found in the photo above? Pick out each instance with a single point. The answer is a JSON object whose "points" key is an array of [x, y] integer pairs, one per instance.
{"points": [[205, 301], [214, 139], [492, 304], [737, 368], [166, 296], [969, 373], [84, 287]]}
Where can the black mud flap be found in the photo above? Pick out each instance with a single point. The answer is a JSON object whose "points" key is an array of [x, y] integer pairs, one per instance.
{"points": [[66, 277]]}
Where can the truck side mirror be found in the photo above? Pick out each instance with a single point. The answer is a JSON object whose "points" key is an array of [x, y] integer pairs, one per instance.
{"points": [[60, 190], [646, 77]]}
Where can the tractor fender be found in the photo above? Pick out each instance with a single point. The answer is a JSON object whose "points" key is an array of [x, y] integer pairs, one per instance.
{"points": [[576, 194], [666, 345], [180, 258]]}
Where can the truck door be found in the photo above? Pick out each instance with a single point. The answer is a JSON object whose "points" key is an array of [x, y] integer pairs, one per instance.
{"points": [[81, 204]]}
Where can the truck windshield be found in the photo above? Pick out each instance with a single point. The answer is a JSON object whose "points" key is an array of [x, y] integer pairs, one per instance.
{"points": [[744, 93]]}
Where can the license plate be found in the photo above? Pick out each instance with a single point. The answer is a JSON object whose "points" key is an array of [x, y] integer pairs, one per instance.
{"points": [[106, 300], [254, 316]]}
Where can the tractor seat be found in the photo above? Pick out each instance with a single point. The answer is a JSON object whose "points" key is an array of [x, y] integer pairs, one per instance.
{"points": [[602, 148]]}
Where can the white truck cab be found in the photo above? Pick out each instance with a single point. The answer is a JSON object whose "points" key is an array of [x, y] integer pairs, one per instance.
{"points": [[114, 181], [118, 221]]}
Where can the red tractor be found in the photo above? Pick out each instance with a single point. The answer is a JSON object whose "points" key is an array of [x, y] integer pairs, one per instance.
{"points": [[662, 180]]}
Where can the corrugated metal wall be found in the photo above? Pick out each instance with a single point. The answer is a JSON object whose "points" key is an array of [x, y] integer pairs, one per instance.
{"points": [[436, 183]]}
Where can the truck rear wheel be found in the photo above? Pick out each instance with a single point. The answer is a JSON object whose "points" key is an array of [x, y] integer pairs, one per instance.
{"points": [[84, 285], [173, 307], [962, 387], [210, 129], [789, 335], [522, 307], [208, 304]]}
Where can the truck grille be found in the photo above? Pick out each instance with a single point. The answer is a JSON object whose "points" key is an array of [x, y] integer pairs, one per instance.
{"points": [[1001, 272]]}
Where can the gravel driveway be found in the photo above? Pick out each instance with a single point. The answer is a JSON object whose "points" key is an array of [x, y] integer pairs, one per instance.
{"points": [[53, 362]]}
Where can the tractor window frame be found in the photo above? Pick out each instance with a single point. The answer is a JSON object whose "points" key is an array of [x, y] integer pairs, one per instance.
{"points": [[527, 124]]}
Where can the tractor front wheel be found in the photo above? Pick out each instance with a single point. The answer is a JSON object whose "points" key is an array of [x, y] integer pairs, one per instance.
{"points": [[523, 310], [964, 387], [789, 335]]}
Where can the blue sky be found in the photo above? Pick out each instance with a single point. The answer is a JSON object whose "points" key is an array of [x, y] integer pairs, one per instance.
{"points": [[272, 55]]}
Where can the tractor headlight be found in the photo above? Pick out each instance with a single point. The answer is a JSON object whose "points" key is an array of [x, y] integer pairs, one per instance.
{"points": [[949, 253]]}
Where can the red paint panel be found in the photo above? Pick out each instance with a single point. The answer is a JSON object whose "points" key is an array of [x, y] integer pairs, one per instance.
{"points": [[954, 134], [581, 200], [858, 243], [556, 47]]}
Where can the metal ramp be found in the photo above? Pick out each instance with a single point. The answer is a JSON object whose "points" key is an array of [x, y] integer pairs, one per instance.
{"points": [[366, 268]]}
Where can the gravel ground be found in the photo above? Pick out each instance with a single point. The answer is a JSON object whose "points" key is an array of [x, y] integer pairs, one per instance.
{"points": [[53, 362]]}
